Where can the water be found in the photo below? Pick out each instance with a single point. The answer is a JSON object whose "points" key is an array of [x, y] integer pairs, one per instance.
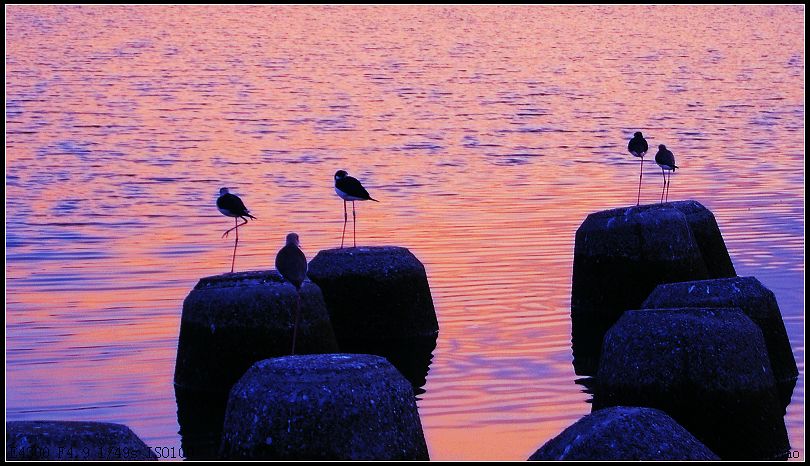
{"points": [[488, 133]]}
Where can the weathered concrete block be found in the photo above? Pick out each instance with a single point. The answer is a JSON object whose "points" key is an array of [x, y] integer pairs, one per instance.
{"points": [[375, 292], [707, 234], [707, 368], [379, 303], [74, 441], [620, 256], [231, 321], [624, 434], [755, 300], [323, 407]]}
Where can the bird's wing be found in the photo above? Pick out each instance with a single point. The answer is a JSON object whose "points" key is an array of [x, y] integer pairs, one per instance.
{"points": [[353, 187], [235, 204], [291, 263]]}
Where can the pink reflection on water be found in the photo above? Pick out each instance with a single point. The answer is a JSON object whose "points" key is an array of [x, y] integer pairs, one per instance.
{"points": [[488, 134]]}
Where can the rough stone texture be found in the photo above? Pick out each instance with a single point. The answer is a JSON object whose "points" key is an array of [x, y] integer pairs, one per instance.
{"points": [[323, 407], [231, 321], [755, 300], [624, 434], [74, 441], [379, 303], [707, 368], [375, 292], [707, 234], [620, 256]]}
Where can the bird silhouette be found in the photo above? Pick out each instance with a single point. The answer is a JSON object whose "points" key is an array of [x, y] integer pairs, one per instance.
{"points": [[230, 205], [666, 160], [291, 263], [349, 189], [638, 147]]}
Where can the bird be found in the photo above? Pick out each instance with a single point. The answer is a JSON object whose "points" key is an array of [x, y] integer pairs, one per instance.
{"points": [[291, 263], [349, 189], [638, 147], [666, 160], [231, 206]]}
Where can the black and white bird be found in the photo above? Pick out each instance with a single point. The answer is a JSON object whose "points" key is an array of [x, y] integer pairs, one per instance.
{"points": [[666, 160], [291, 263], [349, 189], [638, 147], [231, 206]]}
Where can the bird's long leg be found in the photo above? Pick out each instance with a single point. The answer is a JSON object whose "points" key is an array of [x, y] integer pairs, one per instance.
{"points": [[297, 316], [663, 174], [233, 259], [225, 235], [669, 180], [345, 220], [640, 173], [354, 222]]}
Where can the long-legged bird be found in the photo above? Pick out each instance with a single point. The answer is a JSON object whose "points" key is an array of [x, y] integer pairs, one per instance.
{"points": [[291, 263], [230, 205], [638, 147], [349, 189], [666, 160]]}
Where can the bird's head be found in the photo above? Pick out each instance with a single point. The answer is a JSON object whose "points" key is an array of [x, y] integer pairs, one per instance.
{"points": [[223, 191], [662, 147], [340, 174], [638, 134], [292, 240]]}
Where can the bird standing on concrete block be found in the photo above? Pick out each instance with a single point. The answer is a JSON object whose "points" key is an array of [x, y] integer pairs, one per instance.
{"points": [[291, 263], [349, 189], [666, 160], [638, 147], [230, 205]]}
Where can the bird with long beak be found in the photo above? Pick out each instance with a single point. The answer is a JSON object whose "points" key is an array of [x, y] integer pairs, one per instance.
{"points": [[230, 205], [349, 189]]}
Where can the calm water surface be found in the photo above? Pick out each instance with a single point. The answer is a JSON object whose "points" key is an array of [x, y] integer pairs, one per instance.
{"points": [[488, 133]]}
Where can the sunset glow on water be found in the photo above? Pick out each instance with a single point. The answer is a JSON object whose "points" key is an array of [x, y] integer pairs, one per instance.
{"points": [[487, 133]]}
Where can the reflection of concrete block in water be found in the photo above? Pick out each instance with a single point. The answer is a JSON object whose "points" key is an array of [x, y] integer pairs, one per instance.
{"points": [[74, 441], [620, 256], [231, 321], [624, 434], [755, 301], [200, 414], [707, 368], [323, 407]]}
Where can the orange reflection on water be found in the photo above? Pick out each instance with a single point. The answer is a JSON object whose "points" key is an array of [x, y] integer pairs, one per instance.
{"points": [[488, 134]]}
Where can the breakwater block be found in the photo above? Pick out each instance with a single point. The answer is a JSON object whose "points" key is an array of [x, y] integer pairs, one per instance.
{"points": [[620, 256], [323, 407], [380, 292], [754, 300], [709, 239], [231, 321], [624, 434], [707, 368], [74, 441], [379, 302]]}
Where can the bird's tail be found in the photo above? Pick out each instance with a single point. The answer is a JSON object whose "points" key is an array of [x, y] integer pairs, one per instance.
{"points": [[248, 215], [372, 199]]}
